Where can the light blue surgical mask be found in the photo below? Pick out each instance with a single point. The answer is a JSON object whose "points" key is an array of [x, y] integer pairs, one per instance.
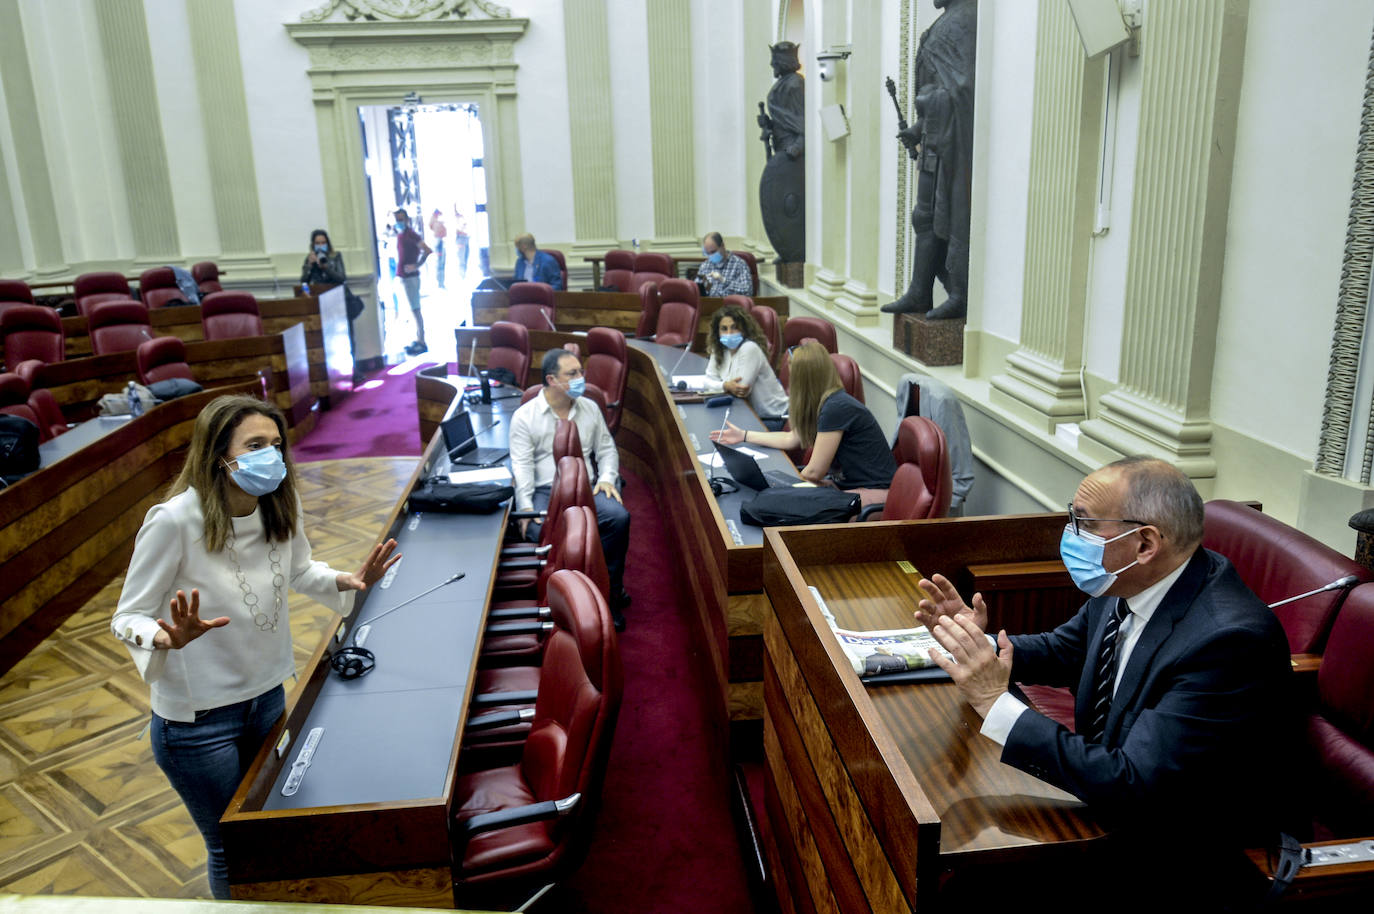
{"points": [[321, 249], [401, 227], [577, 387], [716, 257], [1082, 556], [259, 472], [732, 341]]}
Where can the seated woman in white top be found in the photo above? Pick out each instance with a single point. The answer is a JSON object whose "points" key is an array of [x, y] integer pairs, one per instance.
{"points": [[230, 534], [738, 358]]}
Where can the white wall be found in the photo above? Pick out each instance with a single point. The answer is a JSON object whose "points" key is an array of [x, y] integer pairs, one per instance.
{"points": [[718, 114], [545, 134], [627, 25]]}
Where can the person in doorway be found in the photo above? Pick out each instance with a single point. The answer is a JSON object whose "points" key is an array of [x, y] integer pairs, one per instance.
{"points": [[722, 273], [460, 241], [845, 440], [738, 358], [534, 265], [229, 534], [411, 253], [532, 464], [439, 231]]}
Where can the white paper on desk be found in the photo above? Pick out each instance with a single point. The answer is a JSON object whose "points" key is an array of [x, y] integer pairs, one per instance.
{"points": [[712, 460], [482, 474], [699, 383], [757, 455]]}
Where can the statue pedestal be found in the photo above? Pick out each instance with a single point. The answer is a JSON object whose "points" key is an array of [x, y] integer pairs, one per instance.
{"points": [[792, 274], [929, 342]]}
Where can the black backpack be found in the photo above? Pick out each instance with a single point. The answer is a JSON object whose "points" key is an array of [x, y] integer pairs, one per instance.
{"points": [[438, 494], [786, 506], [18, 447]]}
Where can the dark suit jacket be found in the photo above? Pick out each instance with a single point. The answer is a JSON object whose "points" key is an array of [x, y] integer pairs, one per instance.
{"points": [[1200, 720]]}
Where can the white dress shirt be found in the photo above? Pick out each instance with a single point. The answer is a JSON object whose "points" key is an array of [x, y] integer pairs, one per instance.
{"points": [[531, 446], [749, 363], [1005, 711]]}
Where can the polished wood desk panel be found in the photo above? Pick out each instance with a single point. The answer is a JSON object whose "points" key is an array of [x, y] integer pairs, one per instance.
{"points": [[69, 528], [78, 384], [877, 795]]}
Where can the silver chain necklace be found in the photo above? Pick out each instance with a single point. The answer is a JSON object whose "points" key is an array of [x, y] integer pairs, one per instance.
{"points": [[250, 599]]}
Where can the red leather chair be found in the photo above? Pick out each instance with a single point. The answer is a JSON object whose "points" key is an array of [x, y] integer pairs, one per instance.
{"points": [[743, 302], [206, 274], [162, 358], [652, 268], [809, 328], [94, 288], [767, 319], [619, 271], [1277, 561], [50, 418], [158, 286], [752, 263], [571, 486], [14, 401], [566, 443], [562, 264], [532, 304], [521, 826], [850, 376], [649, 302], [678, 313], [118, 326], [14, 292], [921, 488], [32, 332], [510, 349], [608, 367], [230, 316]]}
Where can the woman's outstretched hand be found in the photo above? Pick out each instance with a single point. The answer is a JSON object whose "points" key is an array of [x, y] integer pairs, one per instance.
{"points": [[186, 625]]}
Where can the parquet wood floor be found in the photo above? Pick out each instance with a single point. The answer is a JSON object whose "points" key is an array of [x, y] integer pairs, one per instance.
{"points": [[84, 809]]}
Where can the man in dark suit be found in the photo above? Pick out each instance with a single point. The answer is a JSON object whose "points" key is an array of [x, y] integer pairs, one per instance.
{"points": [[1181, 674]]}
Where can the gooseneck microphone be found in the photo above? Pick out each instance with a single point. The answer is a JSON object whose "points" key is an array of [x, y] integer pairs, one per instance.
{"points": [[353, 661], [677, 364], [1349, 580], [548, 320]]}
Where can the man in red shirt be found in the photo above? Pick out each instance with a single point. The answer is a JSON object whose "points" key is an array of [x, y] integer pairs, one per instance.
{"points": [[411, 251]]}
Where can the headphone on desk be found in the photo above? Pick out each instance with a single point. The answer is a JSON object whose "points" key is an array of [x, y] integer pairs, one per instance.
{"points": [[722, 485], [352, 662]]}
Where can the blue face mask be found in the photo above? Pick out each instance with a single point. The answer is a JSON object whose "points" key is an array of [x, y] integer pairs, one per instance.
{"points": [[260, 472], [716, 257], [732, 341], [577, 387], [321, 249], [400, 227], [1082, 555]]}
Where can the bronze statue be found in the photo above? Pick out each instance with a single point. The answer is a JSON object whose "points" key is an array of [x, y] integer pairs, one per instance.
{"points": [[941, 142], [782, 189]]}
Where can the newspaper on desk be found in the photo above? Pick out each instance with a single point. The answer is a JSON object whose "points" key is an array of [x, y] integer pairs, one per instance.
{"points": [[877, 655]]}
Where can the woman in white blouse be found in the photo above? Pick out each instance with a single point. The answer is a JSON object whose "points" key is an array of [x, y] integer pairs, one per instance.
{"points": [[230, 535], [738, 358]]}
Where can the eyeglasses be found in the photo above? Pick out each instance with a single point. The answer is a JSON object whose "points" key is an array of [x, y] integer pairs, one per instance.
{"points": [[1075, 520]]}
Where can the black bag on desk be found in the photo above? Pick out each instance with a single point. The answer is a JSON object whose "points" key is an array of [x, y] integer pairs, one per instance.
{"points": [[18, 447], [438, 494], [786, 506]]}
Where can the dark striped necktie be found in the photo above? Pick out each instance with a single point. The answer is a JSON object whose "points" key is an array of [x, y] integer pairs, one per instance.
{"points": [[1106, 674]]}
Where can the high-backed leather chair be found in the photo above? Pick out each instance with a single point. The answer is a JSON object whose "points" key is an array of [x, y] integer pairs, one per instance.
{"points": [[850, 376], [652, 267], [50, 418], [162, 358], [532, 304], [158, 286], [32, 332], [14, 401], [521, 826], [923, 486], [619, 271], [566, 443], [607, 367], [94, 288], [118, 326], [678, 313], [510, 349], [1277, 561], [592, 392], [206, 274], [767, 319], [14, 292], [230, 316], [649, 301], [798, 329], [562, 264], [752, 263]]}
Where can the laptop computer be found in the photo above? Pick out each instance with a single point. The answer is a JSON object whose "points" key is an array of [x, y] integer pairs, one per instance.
{"points": [[746, 470], [462, 443]]}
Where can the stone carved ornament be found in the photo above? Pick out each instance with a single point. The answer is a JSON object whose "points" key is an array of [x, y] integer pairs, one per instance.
{"points": [[404, 10]]}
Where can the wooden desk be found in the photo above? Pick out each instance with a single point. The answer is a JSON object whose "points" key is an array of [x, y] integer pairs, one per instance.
{"points": [[68, 528], [876, 795]]}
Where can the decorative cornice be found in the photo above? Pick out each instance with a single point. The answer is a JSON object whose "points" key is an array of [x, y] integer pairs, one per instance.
{"points": [[403, 10], [413, 45]]}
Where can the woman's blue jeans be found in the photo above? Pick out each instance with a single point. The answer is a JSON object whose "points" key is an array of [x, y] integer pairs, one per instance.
{"points": [[206, 760]]}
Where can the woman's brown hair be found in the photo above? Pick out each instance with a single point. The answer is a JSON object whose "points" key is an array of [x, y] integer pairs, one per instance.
{"points": [[812, 379], [746, 324], [204, 471]]}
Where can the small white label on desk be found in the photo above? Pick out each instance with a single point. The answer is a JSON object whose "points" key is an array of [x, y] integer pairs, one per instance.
{"points": [[414, 523], [734, 531], [390, 575], [360, 638], [302, 762], [683, 413], [825, 610], [695, 445], [283, 743]]}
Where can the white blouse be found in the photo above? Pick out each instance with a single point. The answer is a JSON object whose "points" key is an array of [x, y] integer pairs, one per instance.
{"points": [[749, 363]]}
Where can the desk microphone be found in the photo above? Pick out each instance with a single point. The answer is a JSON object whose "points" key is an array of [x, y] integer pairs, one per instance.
{"points": [[682, 385], [353, 660], [548, 320], [724, 421], [472, 359], [1349, 580]]}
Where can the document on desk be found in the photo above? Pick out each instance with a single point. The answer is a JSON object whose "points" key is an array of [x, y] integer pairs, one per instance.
{"points": [[878, 655], [483, 474]]}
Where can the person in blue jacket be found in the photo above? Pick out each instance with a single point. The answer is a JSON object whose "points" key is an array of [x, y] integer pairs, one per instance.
{"points": [[534, 265]]}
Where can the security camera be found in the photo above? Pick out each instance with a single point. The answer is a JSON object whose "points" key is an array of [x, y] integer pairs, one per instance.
{"points": [[826, 59]]}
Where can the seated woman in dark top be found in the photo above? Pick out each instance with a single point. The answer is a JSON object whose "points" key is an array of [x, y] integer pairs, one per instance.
{"points": [[844, 438], [323, 264]]}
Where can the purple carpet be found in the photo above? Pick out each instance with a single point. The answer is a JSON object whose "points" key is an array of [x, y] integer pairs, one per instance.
{"points": [[379, 419]]}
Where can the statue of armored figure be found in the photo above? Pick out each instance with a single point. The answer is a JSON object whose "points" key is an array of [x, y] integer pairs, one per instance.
{"points": [[941, 142], [782, 189]]}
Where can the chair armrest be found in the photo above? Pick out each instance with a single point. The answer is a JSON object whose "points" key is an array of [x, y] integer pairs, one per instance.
{"points": [[1327, 880], [499, 719], [519, 815], [532, 627], [520, 612], [868, 511], [1306, 664], [530, 515], [519, 549], [502, 699], [521, 564]]}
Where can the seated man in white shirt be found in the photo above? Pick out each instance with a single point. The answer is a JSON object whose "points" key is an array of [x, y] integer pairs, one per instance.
{"points": [[531, 457]]}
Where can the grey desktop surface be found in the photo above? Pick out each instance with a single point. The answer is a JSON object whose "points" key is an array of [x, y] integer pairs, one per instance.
{"points": [[700, 420], [74, 439]]}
